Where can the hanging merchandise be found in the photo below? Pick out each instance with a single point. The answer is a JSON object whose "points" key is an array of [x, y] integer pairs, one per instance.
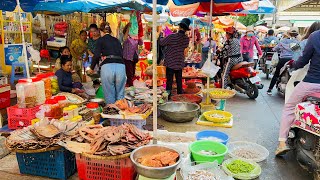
{"points": [[133, 31], [167, 31], [140, 27], [112, 19]]}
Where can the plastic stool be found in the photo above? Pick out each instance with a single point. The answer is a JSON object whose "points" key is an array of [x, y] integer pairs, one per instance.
{"points": [[13, 74]]}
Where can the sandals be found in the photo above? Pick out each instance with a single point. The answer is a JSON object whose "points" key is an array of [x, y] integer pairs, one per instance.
{"points": [[282, 151]]}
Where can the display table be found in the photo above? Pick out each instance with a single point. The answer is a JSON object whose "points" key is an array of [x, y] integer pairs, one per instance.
{"points": [[308, 117]]}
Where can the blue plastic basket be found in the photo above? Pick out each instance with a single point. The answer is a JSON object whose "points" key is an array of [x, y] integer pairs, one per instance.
{"points": [[207, 134], [58, 164]]}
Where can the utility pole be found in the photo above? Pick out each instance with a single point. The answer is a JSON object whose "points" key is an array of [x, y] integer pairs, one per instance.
{"points": [[274, 18]]}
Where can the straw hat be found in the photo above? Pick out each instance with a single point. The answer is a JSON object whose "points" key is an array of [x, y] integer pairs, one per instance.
{"points": [[294, 31], [249, 29]]}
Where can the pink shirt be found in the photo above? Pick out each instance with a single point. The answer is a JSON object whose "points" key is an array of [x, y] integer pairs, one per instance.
{"points": [[246, 45]]}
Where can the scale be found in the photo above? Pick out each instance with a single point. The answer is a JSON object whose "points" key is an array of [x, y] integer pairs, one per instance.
{"points": [[173, 177]]}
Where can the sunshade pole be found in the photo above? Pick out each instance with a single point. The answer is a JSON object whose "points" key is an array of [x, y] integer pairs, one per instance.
{"points": [[154, 68], [24, 47], [209, 53]]}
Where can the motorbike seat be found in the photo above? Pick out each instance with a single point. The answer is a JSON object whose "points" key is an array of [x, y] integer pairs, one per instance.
{"points": [[242, 64], [314, 97]]}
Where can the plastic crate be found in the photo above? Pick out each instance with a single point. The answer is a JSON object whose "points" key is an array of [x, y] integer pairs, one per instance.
{"points": [[20, 117], [104, 169], [137, 122], [4, 96], [58, 164]]}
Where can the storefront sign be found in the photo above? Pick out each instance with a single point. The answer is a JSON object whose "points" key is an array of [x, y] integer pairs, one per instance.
{"points": [[13, 53]]}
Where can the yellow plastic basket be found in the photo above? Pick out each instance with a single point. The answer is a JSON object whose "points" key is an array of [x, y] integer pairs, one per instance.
{"points": [[226, 116], [218, 93]]}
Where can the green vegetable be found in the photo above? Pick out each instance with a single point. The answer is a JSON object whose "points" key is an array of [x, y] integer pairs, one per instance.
{"points": [[239, 166]]}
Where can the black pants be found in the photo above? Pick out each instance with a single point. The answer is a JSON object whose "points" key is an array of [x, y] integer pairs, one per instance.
{"points": [[130, 71], [282, 62], [178, 73]]}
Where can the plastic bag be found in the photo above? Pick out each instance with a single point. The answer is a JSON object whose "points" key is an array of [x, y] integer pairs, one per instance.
{"points": [[133, 31], [275, 59], [210, 69], [89, 89]]}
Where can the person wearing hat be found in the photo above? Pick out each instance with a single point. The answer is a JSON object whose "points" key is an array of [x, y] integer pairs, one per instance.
{"points": [[113, 70], [174, 47], [232, 54], [286, 54], [247, 43]]}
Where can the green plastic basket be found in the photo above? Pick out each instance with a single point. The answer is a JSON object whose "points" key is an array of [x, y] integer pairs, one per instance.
{"points": [[208, 145]]}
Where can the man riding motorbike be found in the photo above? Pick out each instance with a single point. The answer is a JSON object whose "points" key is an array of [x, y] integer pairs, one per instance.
{"points": [[310, 84]]}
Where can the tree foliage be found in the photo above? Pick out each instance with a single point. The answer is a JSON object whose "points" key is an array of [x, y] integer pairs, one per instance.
{"points": [[249, 20]]}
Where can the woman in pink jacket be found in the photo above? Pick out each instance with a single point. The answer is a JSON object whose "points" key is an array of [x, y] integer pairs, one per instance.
{"points": [[247, 42]]}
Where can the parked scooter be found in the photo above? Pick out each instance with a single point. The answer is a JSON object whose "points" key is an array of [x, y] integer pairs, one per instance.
{"points": [[306, 143], [244, 79]]}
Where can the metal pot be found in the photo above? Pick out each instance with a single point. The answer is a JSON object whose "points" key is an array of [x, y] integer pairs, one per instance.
{"points": [[154, 172], [179, 111]]}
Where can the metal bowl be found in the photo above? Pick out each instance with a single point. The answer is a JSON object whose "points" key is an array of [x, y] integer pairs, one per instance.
{"points": [[179, 111], [153, 172]]}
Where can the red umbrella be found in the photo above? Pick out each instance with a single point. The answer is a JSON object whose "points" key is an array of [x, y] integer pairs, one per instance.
{"points": [[204, 7]]}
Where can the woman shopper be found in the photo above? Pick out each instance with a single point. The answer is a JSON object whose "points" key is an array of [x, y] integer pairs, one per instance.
{"points": [[286, 54], [113, 71], [62, 51], [93, 28], [232, 51], [175, 45], [247, 42], [78, 48], [310, 84], [130, 53], [299, 74]]}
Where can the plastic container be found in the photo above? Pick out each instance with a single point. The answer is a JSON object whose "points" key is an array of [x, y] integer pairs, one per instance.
{"points": [[47, 84], [208, 145], [225, 116], [21, 117], [54, 110], [137, 122], [58, 164], [26, 93], [97, 169], [94, 107], [67, 113], [248, 146], [216, 136], [62, 100], [41, 97], [255, 173], [75, 110], [54, 83]]}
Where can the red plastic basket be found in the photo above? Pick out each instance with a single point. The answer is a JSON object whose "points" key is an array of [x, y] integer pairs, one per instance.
{"points": [[108, 169], [20, 117]]}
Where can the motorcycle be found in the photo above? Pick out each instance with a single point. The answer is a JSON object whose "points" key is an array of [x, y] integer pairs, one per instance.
{"points": [[304, 135], [244, 79], [283, 79], [265, 62]]}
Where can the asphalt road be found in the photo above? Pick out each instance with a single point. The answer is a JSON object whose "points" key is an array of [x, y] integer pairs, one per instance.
{"points": [[254, 120]]}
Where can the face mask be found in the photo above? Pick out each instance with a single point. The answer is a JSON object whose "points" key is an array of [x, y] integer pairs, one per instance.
{"points": [[250, 34]]}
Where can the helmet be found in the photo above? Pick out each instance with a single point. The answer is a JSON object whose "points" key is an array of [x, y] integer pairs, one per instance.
{"points": [[230, 30]]}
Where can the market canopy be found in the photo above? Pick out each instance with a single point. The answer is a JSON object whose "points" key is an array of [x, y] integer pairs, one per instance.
{"points": [[185, 2], [90, 6], [26, 5], [264, 7], [202, 8]]}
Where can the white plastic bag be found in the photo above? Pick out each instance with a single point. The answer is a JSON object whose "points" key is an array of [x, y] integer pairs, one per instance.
{"points": [[210, 69], [275, 59]]}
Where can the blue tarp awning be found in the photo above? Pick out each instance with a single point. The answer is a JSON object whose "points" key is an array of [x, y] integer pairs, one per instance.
{"points": [[91, 6], [26, 5]]}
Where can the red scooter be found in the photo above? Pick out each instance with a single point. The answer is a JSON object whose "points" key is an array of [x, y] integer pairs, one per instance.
{"points": [[244, 79]]}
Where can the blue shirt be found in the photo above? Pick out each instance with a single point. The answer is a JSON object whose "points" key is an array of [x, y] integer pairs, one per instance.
{"points": [[267, 40], [284, 47], [311, 53], [64, 80]]}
